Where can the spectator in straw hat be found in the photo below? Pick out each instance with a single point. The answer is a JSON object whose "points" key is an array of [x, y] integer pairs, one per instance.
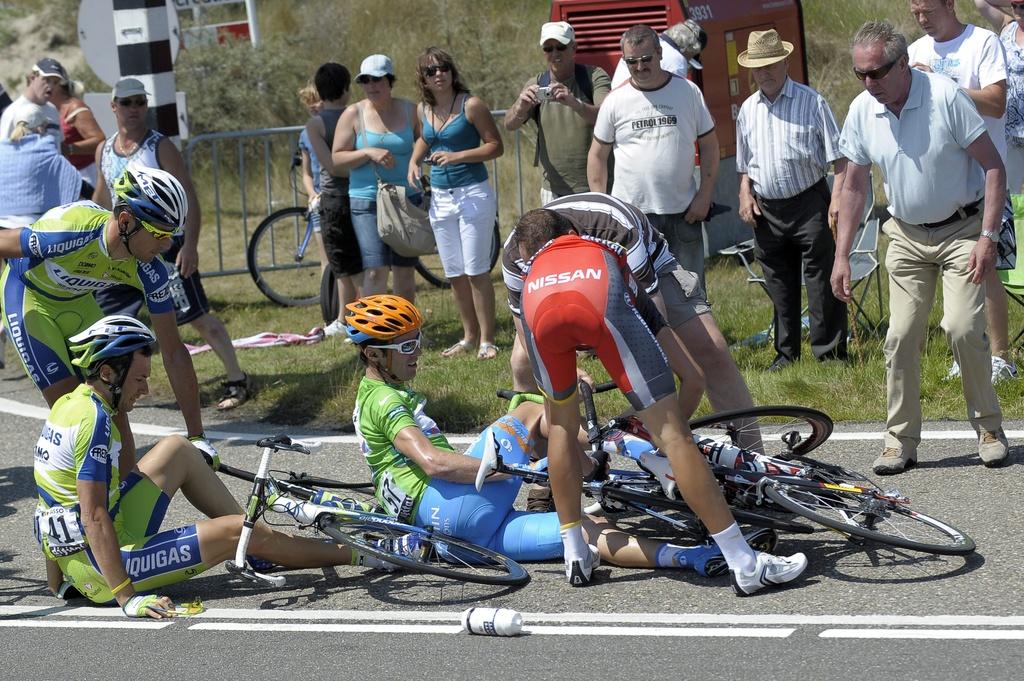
{"points": [[785, 198]]}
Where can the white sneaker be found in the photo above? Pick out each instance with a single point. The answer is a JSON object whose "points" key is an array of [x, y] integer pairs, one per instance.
{"points": [[954, 371], [581, 572], [1002, 370], [336, 328], [769, 571]]}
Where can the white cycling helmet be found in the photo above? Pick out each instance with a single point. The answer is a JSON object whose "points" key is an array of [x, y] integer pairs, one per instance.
{"points": [[110, 337], [154, 196], [112, 340]]}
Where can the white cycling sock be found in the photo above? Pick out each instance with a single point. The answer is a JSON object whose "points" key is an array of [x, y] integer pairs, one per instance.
{"points": [[574, 546], [735, 548]]}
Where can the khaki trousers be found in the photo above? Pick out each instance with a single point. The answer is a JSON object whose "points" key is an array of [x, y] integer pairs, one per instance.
{"points": [[917, 258]]}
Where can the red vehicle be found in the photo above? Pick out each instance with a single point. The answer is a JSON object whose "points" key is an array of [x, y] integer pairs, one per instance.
{"points": [[600, 23]]}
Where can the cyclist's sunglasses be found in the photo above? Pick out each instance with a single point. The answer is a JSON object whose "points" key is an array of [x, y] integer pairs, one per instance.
{"points": [[876, 74], [551, 48], [405, 347], [364, 79], [159, 232], [633, 61], [433, 70], [133, 101]]}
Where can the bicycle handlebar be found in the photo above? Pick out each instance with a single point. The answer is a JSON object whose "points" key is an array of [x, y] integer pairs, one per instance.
{"points": [[283, 442]]}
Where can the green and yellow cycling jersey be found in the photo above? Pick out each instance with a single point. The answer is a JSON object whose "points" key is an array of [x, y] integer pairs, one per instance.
{"points": [[65, 257], [381, 412], [79, 442]]}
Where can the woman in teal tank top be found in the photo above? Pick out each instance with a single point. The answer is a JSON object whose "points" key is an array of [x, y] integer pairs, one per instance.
{"points": [[459, 137], [374, 139]]}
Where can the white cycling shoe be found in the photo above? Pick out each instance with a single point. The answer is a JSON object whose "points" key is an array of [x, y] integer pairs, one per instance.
{"points": [[581, 572], [768, 571]]}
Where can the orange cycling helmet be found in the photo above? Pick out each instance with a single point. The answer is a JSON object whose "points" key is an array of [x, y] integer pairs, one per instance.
{"points": [[381, 317]]}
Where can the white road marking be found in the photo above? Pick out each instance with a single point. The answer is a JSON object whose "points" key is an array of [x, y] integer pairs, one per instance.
{"points": [[939, 634], [722, 632], [405, 616], [20, 409], [82, 624]]}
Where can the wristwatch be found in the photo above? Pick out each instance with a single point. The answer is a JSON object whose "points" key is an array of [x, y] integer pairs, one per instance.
{"points": [[990, 234]]}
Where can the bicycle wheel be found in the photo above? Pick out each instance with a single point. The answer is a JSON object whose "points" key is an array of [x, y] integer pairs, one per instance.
{"points": [[782, 432], [866, 515], [640, 496], [435, 553], [283, 258], [429, 266]]}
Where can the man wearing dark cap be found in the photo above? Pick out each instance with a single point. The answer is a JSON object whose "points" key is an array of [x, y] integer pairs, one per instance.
{"points": [[44, 76], [785, 198]]}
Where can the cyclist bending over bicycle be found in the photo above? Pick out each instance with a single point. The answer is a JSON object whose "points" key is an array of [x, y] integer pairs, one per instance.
{"points": [[421, 479], [579, 294], [104, 536]]}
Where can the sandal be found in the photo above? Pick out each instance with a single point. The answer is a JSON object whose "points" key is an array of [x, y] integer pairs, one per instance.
{"points": [[235, 394], [460, 348], [487, 351]]}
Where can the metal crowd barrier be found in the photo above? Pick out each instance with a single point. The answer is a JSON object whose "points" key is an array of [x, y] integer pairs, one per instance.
{"points": [[244, 175]]}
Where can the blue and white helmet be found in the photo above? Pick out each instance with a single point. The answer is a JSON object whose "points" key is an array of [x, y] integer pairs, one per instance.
{"points": [[154, 196], [111, 337]]}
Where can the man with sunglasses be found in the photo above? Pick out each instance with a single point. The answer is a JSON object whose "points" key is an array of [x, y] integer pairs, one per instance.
{"points": [[653, 122], [974, 59], [136, 143], [926, 135], [562, 102]]}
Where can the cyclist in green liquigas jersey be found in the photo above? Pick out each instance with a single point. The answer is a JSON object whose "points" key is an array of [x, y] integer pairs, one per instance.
{"points": [[57, 263], [421, 479], [106, 536]]}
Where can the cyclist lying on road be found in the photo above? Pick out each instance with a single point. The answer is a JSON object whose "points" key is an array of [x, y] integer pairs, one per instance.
{"points": [[419, 477], [104, 536]]}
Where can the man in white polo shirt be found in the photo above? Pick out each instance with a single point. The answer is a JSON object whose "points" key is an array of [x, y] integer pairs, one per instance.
{"points": [[974, 59], [652, 121], [929, 140]]}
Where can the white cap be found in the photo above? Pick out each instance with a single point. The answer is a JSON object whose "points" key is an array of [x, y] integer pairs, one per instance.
{"points": [[557, 30], [376, 65]]}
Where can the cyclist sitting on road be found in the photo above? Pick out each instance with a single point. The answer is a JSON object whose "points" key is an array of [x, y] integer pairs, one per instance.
{"points": [[72, 251], [579, 293], [104, 535], [419, 477]]}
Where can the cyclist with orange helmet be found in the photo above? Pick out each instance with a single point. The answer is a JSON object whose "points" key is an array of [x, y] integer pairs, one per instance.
{"points": [[420, 478]]}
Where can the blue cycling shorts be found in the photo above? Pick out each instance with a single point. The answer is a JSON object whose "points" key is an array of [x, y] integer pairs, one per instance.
{"points": [[487, 518]]}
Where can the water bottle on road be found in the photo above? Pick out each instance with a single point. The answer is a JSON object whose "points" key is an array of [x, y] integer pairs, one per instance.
{"points": [[492, 621]]}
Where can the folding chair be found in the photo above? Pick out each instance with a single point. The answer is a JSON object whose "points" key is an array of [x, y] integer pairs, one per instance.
{"points": [[864, 270], [864, 266], [1013, 280]]}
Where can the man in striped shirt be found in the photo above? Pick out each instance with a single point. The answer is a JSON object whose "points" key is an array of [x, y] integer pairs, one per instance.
{"points": [[785, 138]]}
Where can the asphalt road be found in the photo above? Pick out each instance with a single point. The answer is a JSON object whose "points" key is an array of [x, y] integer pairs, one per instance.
{"points": [[859, 611]]}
